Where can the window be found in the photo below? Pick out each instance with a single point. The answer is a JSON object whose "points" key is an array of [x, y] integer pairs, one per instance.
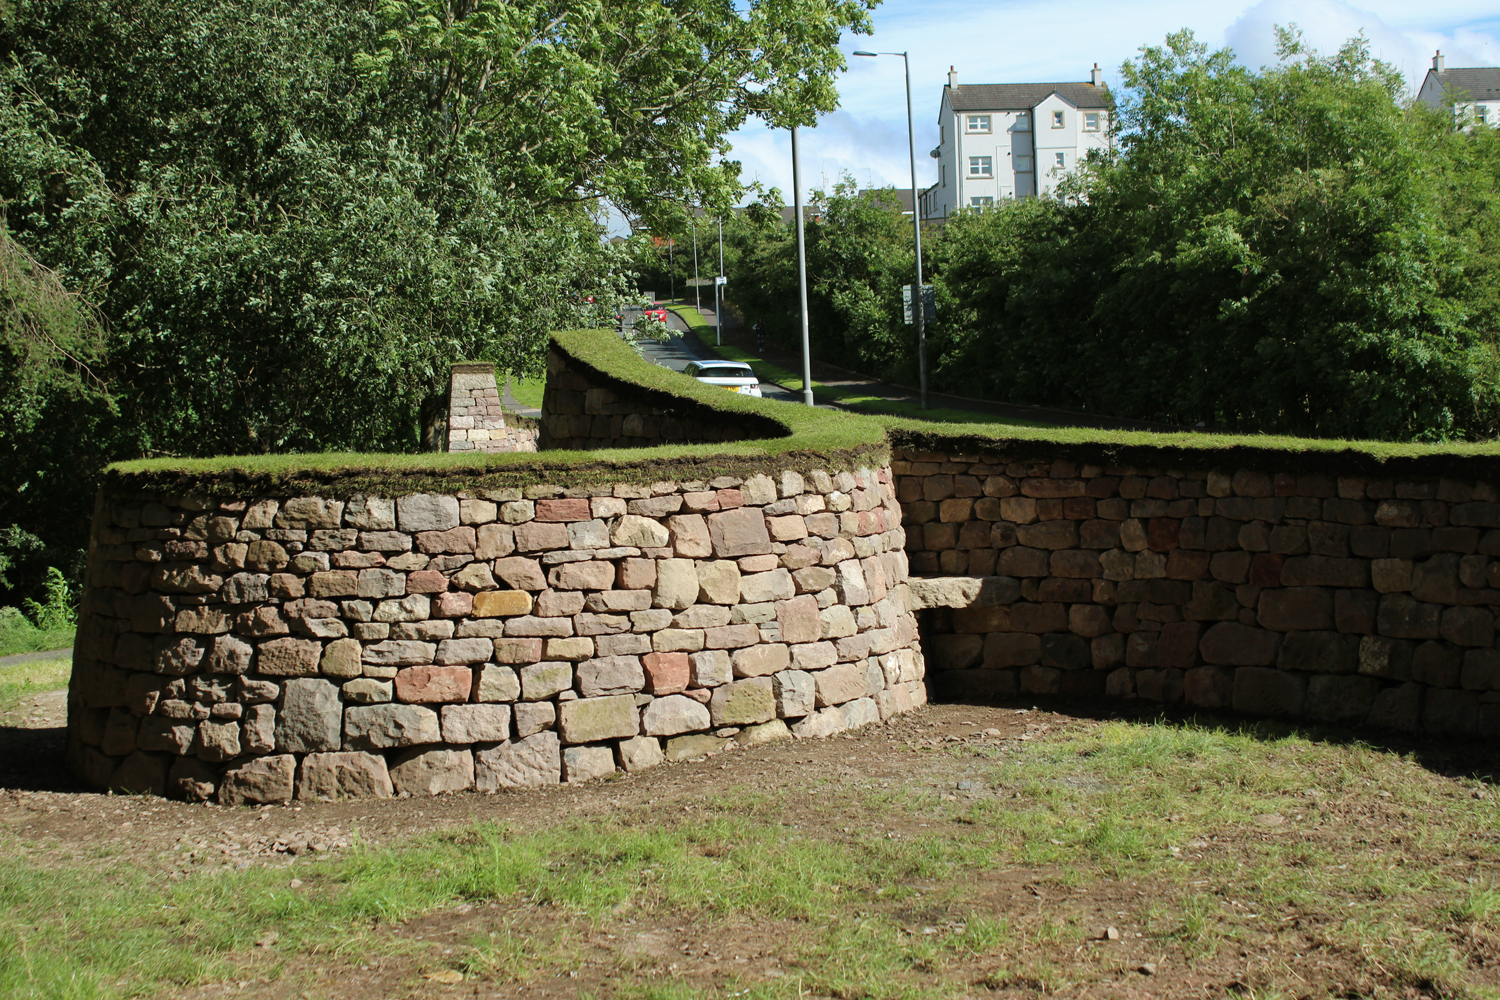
{"points": [[943, 174], [1057, 119], [977, 123], [1091, 121], [1062, 160], [1023, 164], [980, 166], [1481, 114], [981, 203], [1023, 122], [942, 135]]}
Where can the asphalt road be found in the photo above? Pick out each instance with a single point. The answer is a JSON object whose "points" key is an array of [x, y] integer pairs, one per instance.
{"points": [[679, 350]]}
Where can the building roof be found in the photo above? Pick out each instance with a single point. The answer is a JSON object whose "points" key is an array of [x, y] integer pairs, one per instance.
{"points": [[1477, 84], [1018, 96]]}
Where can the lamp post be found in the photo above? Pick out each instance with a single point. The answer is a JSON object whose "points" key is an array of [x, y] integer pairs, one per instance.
{"points": [[807, 393], [719, 289], [919, 300], [697, 297]]}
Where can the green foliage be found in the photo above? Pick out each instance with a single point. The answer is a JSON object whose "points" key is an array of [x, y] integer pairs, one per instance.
{"points": [[1299, 250], [263, 228]]}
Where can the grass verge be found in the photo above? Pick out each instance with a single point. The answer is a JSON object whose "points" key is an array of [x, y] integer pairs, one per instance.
{"points": [[1226, 855], [21, 680], [17, 635]]}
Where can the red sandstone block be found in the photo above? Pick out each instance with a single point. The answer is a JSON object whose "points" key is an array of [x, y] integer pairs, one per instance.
{"points": [[430, 684], [426, 581], [565, 509], [456, 540], [1187, 564], [666, 673], [1053, 488], [454, 605]]}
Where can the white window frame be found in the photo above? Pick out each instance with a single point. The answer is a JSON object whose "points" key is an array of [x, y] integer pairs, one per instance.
{"points": [[1061, 161], [1023, 121], [977, 124], [981, 166], [1058, 121], [1091, 121], [981, 201]]}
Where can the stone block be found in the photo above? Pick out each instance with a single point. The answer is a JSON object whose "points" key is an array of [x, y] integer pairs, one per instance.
{"points": [[308, 716], [192, 779], [1469, 626], [1451, 713], [455, 652], [375, 727], [218, 741], [639, 753], [795, 692], [744, 703], [673, 715], [535, 760], [482, 723], [587, 763], [1232, 644], [496, 683], [739, 532], [609, 675], [432, 772], [1208, 687], [141, 774], [820, 724], [1341, 700], [426, 512], [260, 780], [666, 673], [433, 684], [1267, 691], [677, 584], [1388, 658], [334, 777], [710, 668], [1318, 652], [545, 679], [1011, 649], [1403, 617], [760, 660], [1066, 651], [693, 746], [839, 684], [289, 657], [533, 717], [1288, 609], [1398, 707], [719, 582], [589, 720], [520, 573]]}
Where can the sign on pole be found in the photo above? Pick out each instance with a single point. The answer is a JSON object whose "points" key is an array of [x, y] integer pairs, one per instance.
{"points": [[721, 280], [929, 304]]}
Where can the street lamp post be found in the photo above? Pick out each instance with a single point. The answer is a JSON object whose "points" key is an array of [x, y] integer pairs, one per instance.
{"points": [[918, 299], [697, 298], [719, 290], [807, 393]]}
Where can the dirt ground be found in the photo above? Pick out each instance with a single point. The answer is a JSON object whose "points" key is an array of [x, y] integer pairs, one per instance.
{"points": [[1116, 956]]}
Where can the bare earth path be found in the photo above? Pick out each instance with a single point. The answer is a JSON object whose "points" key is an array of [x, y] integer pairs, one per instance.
{"points": [[1197, 921]]}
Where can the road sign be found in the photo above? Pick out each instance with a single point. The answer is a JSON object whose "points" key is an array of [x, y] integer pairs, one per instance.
{"points": [[929, 303], [721, 280]]}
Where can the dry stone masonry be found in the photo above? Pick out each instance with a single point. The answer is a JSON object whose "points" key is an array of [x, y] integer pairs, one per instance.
{"points": [[270, 648], [476, 420], [1344, 600], [586, 409]]}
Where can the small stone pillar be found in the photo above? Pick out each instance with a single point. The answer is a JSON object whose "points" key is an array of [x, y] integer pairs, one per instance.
{"points": [[476, 420]]}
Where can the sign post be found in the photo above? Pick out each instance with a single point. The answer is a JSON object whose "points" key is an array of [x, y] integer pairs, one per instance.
{"points": [[929, 304]]}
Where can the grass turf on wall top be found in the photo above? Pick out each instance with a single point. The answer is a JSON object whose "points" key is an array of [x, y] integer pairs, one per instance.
{"points": [[811, 438]]}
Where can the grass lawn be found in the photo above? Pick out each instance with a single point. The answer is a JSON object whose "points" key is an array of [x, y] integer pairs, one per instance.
{"points": [[1081, 856], [767, 371], [528, 391]]}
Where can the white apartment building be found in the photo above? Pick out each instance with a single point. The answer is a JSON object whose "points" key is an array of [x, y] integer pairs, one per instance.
{"points": [[1012, 140], [1474, 93]]}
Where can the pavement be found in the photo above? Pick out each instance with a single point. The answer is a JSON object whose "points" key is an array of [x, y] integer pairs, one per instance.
{"points": [[684, 347]]}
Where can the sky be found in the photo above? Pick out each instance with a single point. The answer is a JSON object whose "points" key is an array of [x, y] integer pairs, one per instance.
{"points": [[1027, 41]]}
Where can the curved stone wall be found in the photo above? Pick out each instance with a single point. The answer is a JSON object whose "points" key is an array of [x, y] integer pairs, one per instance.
{"points": [[257, 649], [1357, 599]]}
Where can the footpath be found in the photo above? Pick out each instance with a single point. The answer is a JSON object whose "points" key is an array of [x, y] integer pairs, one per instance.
{"points": [[839, 387]]}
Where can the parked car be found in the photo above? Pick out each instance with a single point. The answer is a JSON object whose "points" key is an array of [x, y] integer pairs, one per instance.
{"points": [[736, 376]]}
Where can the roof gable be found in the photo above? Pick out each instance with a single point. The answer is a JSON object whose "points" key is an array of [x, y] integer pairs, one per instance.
{"points": [[1480, 83]]}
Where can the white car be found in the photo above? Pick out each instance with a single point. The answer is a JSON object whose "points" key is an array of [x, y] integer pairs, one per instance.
{"points": [[736, 376]]}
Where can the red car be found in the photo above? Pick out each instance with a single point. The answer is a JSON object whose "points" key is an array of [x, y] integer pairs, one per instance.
{"points": [[656, 314]]}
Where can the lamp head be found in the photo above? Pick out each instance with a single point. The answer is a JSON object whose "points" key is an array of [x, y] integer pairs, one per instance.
{"points": [[862, 52]]}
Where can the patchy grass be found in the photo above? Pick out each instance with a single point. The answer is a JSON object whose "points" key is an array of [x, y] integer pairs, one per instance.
{"points": [[17, 635], [21, 680], [1254, 857]]}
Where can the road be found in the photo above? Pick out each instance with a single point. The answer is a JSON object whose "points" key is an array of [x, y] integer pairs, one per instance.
{"points": [[681, 348]]}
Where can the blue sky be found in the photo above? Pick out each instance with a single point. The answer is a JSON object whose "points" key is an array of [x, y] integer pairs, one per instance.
{"points": [[1012, 41]]}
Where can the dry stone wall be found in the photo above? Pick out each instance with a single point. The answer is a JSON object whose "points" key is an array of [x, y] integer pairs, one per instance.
{"points": [[586, 409], [266, 648], [1353, 600], [476, 420]]}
